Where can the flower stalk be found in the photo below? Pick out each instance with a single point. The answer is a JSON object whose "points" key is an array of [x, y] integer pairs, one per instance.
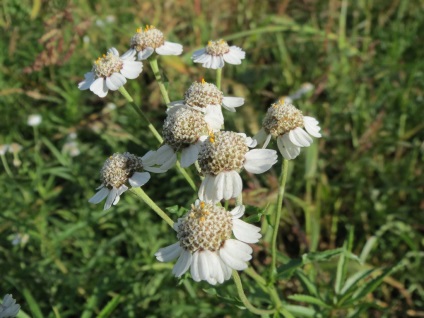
{"points": [[155, 68], [283, 179]]}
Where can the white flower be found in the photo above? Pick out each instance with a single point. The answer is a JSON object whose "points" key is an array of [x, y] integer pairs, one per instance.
{"points": [[9, 307], [205, 245], [285, 122], [121, 171], [222, 156], [110, 72], [207, 98], [4, 149], [184, 129], [34, 120], [144, 43], [216, 52]]}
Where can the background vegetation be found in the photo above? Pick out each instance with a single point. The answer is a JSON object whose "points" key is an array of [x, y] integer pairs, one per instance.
{"points": [[63, 257]]}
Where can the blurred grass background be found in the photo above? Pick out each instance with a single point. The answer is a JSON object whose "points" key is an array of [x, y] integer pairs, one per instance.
{"points": [[63, 257]]}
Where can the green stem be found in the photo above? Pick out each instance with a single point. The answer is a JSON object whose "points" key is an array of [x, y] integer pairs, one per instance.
{"points": [[6, 166], [283, 179], [155, 68], [142, 195], [244, 299], [128, 97], [186, 176], [152, 128], [218, 77], [267, 288]]}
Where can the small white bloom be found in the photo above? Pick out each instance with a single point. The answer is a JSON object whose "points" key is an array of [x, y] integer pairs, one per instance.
{"points": [[4, 149], [110, 72], [222, 156], [34, 120], [205, 244], [9, 307], [184, 129], [119, 172], [14, 148], [284, 121], [207, 98], [71, 147], [144, 43], [216, 53]]}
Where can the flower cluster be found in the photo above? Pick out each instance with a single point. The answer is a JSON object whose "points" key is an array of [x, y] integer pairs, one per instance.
{"points": [[212, 241]]}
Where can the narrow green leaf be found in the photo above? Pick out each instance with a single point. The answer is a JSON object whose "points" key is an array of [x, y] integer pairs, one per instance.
{"points": [[309, 300], [110, 307], [373, 284], [300, 311], [320, 256], [32, 303], [306, 282], [287, 270]]}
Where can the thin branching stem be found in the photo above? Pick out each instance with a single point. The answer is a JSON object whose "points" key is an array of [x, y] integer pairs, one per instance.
{"points": [[283, 179], [155, 68], [139, 192], [244, 299], [218, 77]]}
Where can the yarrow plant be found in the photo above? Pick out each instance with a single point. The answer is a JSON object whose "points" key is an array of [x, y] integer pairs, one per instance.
{"points": [[213, 242], [205, 244], [9, 308], [110, 72]]}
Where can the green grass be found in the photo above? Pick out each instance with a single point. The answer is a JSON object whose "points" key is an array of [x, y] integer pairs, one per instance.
{"points": [[364, 177]]}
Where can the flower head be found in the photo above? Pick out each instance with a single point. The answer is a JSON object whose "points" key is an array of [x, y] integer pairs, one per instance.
{"points": [[205, 243], [216, 52], [150, 40], [9, 307], [184, 129], [222, 156], [34, 120], [110, 71], [121, 171], [207, 98], [285, 122]]}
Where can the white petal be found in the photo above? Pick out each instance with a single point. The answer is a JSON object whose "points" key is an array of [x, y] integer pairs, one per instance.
{"points": [[227, 270], [204, 271], [99, 196], [214, 117], [239, 249], [149, 159], [198, 53], [230, 102], [113, 51], [131, 69], [246, 232], [215, 264], [189, 155], [235, 50], [99, 87], [206, 59], [121, 190], [88, 80], [207, 189], [233, 185], [311, 126], [169, 253], [139, 179], [232, 58], [129, 55], [260, 160], [115, 81], [170, 48], [194, 271], [219, 186], [142, 55], [287, 148], [166, 157], [111, 198], [216, 62], [231, 259], [299, 137], [238, 211], [183, 263]]}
